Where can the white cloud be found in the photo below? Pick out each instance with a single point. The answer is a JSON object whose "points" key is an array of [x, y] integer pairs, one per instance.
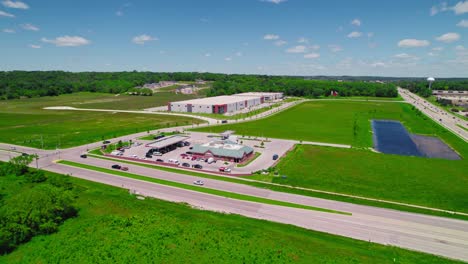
{"points": [[440, 8], [459, 48], [314, 47], [119, 13], [370, 34], [406, 56], [312, 55], [239, 54], [303, 40], [5, 14], [13, 4], [378, 64], [142, 39], [67, 41], [271, 37], [8, 30], [335, 48], [438, 49], [34, 46], [413, 43], [274, 1], [463, 23], [449, 37], [356, 22], [207, 54], [29, 27], [280, 43], [297, 49], [461, 8], [355, 34], [228, 59]]}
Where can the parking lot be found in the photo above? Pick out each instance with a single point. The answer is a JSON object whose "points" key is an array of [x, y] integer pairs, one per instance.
{"points": [[179, 156]]}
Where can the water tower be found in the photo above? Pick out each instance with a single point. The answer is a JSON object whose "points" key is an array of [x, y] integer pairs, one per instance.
{"points": [[430, 80]]}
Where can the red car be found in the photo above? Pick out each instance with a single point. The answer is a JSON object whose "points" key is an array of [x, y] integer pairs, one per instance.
{"points": [[194, 158]]}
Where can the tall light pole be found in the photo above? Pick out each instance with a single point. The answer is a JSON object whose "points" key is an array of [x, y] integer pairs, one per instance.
{"points": [[430, 80]]}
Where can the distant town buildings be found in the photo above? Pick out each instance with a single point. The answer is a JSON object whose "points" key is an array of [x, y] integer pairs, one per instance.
{"points": [[456, 98]]}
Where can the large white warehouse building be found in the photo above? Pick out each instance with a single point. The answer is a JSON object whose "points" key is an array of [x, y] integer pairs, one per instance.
{"points": [[265, 96], [215, 105]]}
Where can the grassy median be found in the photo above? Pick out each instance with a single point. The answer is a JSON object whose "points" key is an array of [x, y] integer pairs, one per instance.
{"points": [[199, 188]]}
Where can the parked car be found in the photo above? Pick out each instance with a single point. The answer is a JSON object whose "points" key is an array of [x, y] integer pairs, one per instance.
{"points": [[199, 182], [115, 166], [160, 160], [186, 143], [173, 161], [157, 153], [275, 156], [148, 155], [180, 144], [185, 164], [209, 160], [197, 166], [124, 168], [84, 156], [194, 158]]}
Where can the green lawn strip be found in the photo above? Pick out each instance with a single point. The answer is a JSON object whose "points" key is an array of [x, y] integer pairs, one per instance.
{"points": [[200, 189], [256, 155], [293, 190], [462, 127]]}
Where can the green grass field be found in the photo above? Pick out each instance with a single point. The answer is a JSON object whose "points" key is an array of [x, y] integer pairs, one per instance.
{"points": [[24, 122], [340, 121], [115, 227], [434, 183]]}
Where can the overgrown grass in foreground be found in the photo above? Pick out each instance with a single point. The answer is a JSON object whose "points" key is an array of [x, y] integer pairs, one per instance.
{"points": [[198, 188], [285, 188], [434, 183], [114, 227]]}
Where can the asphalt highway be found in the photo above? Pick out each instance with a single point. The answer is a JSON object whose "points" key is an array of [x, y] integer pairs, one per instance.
{"points": [[440, 116]]}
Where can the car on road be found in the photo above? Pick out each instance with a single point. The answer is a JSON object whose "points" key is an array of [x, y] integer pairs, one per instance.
{"points": [[106, 142], [124, 168], [116, 166], [199, 182], [224, 122], [84, 156], [160, 160], [197, 166], [224, 169], [275, 156], [185, 164]]}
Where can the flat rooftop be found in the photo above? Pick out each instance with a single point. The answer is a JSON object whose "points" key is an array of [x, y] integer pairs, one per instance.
{"points": [[217, 100], [258, 93], [167, 141]]}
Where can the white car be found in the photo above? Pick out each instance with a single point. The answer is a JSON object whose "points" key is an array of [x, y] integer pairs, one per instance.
{"points": [[199, 182], [227, 170]]}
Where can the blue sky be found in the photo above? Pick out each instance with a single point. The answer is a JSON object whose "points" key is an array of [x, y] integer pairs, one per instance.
{"points": [[292, 37]]}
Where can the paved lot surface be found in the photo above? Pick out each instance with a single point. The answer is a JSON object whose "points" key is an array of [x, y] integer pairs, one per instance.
{"points": [[436, 235], [444, 118]]}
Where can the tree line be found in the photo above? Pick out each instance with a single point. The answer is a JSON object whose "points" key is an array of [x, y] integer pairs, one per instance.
{"points": [[31, 202], [301, 87], [18, 84]]}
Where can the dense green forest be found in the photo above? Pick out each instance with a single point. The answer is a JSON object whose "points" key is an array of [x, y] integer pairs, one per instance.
{"points": [[17, 84], [300, 87], [31, 203]]}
